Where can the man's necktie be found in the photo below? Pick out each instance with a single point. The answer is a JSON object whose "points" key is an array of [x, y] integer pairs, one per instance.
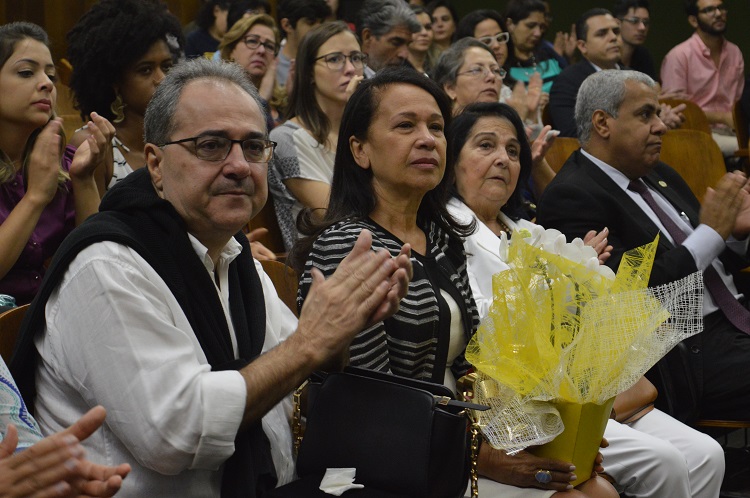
{"points": [[727, 303]]}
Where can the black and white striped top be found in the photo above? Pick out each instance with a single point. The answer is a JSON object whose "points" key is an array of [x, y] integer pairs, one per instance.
{"points": [[413, 342]]}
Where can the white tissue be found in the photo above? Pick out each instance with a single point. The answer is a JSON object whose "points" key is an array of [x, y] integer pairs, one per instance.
{"points": [[337, 481]]}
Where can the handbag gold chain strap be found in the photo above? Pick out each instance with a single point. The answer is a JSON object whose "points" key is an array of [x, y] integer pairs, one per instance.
{"points": [[297, 418], [465, 388], [475, 439]]}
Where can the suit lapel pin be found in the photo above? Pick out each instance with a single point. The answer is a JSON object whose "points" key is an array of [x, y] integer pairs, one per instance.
{"points": [[662, 183]]}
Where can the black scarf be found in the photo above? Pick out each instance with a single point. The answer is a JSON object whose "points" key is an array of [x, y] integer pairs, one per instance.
{"points": [[133, 214]]}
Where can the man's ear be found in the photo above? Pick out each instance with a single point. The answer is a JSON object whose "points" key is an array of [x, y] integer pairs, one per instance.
{"points": [[359, 151], [366, 39], [154, 156], [581, 44], [693, 21], [600, 122]]}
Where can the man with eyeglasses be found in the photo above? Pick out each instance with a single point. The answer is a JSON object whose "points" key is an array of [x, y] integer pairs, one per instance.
{"points": [[157, 310], [708, 69], [634, 23], [385, 28]]}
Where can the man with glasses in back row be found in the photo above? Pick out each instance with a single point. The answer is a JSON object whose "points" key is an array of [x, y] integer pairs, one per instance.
{"points": [[708, 69], [156, 309], [599, 41], [634, 20]]}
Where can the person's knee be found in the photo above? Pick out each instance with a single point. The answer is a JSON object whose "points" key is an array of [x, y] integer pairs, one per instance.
{"points": [[664, 466], [597, 487], [707, 454]]}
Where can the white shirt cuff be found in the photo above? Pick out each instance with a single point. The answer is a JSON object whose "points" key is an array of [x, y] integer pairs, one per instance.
{"points": [[224, 394], [705, 244]]}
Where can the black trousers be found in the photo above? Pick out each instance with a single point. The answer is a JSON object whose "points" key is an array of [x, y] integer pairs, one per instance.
{"points": [[719, 361]]}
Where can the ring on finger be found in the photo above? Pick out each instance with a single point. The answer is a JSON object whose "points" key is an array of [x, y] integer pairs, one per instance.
{"points": [[543, 476]]}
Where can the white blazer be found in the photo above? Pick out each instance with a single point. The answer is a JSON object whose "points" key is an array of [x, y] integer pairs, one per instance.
{"points": [[482, 253]]}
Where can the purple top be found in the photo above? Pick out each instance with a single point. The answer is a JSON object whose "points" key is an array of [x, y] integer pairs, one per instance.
{"points": [[57, 221]]}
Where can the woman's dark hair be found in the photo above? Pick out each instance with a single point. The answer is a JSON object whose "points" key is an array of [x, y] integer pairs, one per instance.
{"points": [[518, 10], [302, 101], [14, 32], [458, 134], [109, 38], [206, 17], [352, 193], [446, 70], [469, 23], [430, 8], [418, 9]]}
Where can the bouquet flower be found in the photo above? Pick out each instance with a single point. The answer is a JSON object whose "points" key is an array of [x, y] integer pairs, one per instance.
{"points": [[563, 329]]}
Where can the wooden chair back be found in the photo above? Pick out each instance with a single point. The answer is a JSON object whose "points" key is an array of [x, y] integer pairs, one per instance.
{"points": [[10, 325], [696, 157], [267, 219], [285, 281], [560, 151], [695, 118], [64, 71]]}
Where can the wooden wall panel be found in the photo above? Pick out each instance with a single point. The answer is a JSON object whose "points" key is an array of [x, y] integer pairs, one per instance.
{"points": [[57, 17]]}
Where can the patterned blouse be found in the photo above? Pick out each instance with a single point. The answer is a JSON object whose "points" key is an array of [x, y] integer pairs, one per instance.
{"points": [[413, 342]]}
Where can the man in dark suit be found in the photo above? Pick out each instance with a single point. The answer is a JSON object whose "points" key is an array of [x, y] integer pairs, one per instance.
{"points": [[617, 181], [599, 42], [600, 45]]}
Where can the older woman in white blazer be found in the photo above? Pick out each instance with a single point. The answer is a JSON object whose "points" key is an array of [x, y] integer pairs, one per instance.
{"points": [[492, 157], [655, 455]]}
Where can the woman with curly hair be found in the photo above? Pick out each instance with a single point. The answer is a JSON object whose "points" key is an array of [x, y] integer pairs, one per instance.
{"points": [[46, 189], [120, 51]]}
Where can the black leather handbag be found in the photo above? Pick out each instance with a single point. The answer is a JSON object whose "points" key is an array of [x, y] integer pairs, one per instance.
{"points": [[404, 437]]}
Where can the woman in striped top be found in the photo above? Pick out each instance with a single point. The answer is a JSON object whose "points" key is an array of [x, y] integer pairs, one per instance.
{"points": [[391, 178]]}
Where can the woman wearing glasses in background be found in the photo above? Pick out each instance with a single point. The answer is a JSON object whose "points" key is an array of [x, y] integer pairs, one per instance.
{"points": [[469, 72], [253, 43], [488, 27], [329, 66]]}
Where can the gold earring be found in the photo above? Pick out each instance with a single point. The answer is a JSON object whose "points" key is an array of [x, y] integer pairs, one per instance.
{"points": [[118, 108]]}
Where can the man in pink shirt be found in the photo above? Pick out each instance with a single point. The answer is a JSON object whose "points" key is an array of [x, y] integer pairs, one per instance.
{"points": [[708, 69]]}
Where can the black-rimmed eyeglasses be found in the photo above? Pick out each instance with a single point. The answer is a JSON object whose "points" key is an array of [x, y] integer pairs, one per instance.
{"points": [[253, 42], [213, 148], [635, 21], [500, 38], [336, 60], [712, 9]]}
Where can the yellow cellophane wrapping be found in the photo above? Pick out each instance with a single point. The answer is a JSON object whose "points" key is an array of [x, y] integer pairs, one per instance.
{"points": [[561, 331]]}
